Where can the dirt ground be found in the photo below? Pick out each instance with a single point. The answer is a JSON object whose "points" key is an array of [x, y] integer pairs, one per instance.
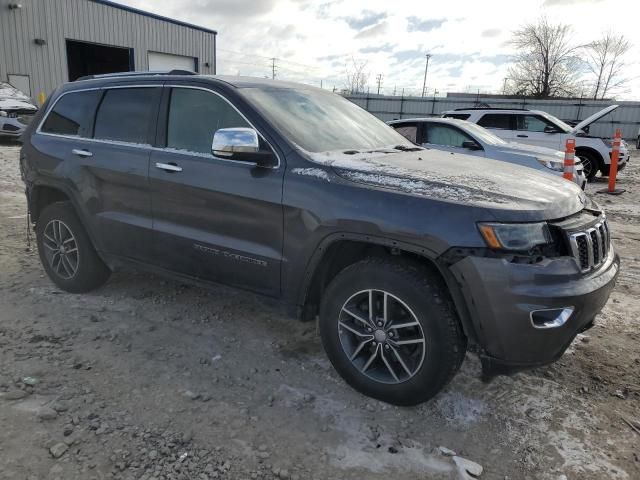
{"points": [[148, 378]]}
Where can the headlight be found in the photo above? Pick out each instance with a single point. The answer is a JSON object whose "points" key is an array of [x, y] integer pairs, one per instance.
{"points": [[552, 164], [3, 113], [515, 236]]}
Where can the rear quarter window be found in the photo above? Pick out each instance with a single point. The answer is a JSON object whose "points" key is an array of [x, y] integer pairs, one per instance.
{"points": [[72, 114], [459, 116], [496, 120]]}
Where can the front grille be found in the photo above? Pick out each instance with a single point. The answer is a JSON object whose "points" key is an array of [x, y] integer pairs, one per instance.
{"points": [[591, 246]]}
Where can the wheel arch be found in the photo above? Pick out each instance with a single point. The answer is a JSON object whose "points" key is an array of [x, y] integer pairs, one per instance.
{"points": [[591, 151], [43, 195], [338, 251]]}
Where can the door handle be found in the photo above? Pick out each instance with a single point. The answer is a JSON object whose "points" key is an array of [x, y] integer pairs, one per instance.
{"points": [[81, 153], [522, 136], [168, 167]]}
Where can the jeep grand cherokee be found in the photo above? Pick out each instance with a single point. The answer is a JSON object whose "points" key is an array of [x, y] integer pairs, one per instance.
{"points": [[407, 256]]}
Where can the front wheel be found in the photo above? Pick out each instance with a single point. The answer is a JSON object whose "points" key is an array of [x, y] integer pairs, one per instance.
{"points": [[590, 164], [391, 331]]}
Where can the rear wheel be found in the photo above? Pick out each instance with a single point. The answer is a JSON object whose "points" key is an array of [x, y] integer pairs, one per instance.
{"points": [[66, 252], [390, 330], [638, 143]]}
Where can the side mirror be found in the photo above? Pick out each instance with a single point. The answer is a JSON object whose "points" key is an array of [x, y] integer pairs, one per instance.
{"points": [[550, 129], [470, 145], [241, 144]]}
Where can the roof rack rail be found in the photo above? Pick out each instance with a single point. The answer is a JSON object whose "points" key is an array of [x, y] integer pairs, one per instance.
{"points": [[490, 108], [135, 74]]}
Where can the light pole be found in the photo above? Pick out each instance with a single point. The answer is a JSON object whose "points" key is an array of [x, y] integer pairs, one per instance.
{"points": [[426, 69]]}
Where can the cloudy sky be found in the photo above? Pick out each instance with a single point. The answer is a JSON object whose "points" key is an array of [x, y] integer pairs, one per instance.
{"points": [[315, 40]]}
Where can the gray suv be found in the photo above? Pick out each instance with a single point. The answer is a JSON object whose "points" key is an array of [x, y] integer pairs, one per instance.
{"points": [[408, 257]]}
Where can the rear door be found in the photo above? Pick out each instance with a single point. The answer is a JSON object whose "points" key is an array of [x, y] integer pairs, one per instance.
{"points": [[500, 124], [213, 218], [101, 137]]}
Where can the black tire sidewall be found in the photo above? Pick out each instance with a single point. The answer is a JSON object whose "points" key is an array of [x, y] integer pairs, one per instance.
{"points": [[429, 303], [91, 272], [595, 164]]}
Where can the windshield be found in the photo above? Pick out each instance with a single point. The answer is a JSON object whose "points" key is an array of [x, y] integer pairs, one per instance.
{"points": [[483, 134], [320, 121], [566, 128]]}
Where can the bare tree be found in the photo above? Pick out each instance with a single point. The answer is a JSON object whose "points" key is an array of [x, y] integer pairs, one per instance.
{"points": [[546, 64], [357, 77], [604, 58]]}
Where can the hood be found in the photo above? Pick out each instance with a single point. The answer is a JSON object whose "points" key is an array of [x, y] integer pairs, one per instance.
{"points": [[521, 148], [512, 192], [593, 118], [11, 104]]}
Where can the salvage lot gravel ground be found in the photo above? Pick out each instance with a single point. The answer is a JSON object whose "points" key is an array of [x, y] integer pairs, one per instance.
{"points": [[151, 378]]}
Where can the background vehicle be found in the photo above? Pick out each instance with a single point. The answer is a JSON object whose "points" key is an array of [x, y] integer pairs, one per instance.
{"points": [[298, 194], [535, 127], [16, 111], [453, 135]]}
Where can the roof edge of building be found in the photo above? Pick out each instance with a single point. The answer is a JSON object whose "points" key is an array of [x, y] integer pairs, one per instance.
{"points": [[120, 6]]}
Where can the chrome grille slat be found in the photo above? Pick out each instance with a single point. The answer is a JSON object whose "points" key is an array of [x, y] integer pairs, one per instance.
{"points": [[591, 246]]}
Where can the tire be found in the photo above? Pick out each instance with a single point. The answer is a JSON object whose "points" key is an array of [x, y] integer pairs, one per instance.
{"points": [[638, 143], [419, 304], [66, 252], [590, 163]]}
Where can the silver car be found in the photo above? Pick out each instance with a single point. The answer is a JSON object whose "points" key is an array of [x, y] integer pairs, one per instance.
{"points": [[460, 136], [16, 111]]}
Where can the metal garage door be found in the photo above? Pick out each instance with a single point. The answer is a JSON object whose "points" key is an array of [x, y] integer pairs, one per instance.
{"points": [[167, 61]]}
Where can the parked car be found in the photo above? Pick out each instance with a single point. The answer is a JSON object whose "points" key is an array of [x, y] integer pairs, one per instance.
{"points": [[453, 135], [407, 256], [535, 127], [16, 111]]}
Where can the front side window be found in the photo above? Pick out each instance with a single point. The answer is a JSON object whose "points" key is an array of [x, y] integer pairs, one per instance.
{"points": [[410, 132], [496, 120], [72, 114], [533, 123], [446, 135], [195, 115], [125, 115]]}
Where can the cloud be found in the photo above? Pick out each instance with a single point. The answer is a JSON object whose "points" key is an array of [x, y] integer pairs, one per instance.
{"points": [[416, 24], [376, 30], [228, 8], [491, 32], [556, 3], [387, 47], [366, 19]]}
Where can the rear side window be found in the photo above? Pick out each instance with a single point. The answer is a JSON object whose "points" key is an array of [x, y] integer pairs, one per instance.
{"points": [[410, 132], [72, 114], [496, 120], [459, 116], [124, 115], [195, 115]]}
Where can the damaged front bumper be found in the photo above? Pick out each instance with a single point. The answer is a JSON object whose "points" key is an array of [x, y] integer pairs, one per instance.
{"points": [[526, 315]]}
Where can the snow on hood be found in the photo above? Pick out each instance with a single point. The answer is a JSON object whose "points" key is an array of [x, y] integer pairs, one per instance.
{"points": [[459, 178], [593, 118], [514, 147], [8, 104]]}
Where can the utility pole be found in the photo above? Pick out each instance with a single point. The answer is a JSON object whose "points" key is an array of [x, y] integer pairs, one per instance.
{"points": [[426, 69], [273, 68], [379, 80]]}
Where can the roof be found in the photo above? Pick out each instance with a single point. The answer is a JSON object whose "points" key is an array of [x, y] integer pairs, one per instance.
{"points": [[109, 3]]}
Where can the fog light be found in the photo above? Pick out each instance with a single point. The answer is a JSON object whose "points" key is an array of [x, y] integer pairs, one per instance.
{"points": [[551, 318]]}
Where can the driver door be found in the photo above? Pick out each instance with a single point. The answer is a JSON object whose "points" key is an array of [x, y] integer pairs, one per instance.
{"points": [[213, 218]]}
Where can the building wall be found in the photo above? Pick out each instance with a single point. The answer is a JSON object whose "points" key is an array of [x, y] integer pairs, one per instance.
{"points": [[86, 20], [626, 116]]}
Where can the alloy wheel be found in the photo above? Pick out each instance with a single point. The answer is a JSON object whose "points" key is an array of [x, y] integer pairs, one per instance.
{"points": [[61, 249], [381, 336]]}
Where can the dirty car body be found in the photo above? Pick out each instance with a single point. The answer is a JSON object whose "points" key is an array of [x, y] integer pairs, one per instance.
{"points": [[316, 203]]}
